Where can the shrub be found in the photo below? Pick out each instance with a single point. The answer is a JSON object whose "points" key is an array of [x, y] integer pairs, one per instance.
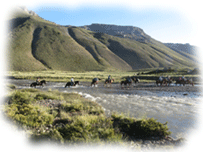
{"points": [[43, 96], [93, 109], [20, 98], [52, 135], [145, 128], [88, 129], [29, 115]]}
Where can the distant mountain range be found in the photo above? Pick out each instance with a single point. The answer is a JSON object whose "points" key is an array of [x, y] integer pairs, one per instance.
{"points": [[38, 44], [137, 34]]}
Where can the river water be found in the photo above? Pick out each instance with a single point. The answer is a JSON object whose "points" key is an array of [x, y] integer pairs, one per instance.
{"points": [[179, 109]]}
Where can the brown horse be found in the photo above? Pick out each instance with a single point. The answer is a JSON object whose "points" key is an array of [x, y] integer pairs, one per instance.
{"points": [[41, 83], [70, 84], [108, 81], [136, 80], [166, 81], [160, 82], [126, 82], [169, 81], [184, 82], [95, 81]]}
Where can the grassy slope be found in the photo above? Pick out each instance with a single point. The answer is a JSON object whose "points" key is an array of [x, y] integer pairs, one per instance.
{"points": [[98, 50], [61, 52], [19, 54], [141, 55], [37, 44]]}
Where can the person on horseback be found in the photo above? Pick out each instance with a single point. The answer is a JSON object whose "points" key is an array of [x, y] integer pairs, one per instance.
{"points": [[96, 80], [109, 79], [72, 81], [160, 78], [38, 80], [183, 78], [128, 79]]}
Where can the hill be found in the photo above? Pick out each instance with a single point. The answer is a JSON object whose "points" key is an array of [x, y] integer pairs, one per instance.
{"points": [[37, 44], [186, 50]]}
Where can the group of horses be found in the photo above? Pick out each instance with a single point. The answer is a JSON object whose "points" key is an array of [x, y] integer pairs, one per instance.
{"points": [[168, 81], [164, 81], [94, 82]]}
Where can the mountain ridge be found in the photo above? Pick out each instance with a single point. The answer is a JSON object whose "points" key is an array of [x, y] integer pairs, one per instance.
{"points": [[37, 44]]}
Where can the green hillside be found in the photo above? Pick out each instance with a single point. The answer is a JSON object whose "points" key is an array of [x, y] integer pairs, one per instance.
{"points": [[36, 44]]}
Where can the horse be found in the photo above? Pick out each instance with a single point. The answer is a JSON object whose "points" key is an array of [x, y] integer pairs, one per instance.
{"points": [[136, 80], [166, 81], [183, 82], [41, 83], [108, 81], [70, 84], [95, 81], [161, 82], [169, 81], [126, 82]]}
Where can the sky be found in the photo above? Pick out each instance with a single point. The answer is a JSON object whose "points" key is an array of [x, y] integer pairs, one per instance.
{"points": [[165, 25], [164, 22]]}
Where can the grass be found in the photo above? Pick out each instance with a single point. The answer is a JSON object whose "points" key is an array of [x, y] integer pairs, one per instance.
{"points": [[36, 45], [65, 76], [74, 119]]}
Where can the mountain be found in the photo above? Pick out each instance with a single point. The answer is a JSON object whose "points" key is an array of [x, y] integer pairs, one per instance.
{"points": [[186, 50], [130, 32], [38, 44]]}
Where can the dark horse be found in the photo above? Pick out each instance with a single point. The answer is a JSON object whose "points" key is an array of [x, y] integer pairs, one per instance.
{"points": [[70, 84], [95, 81], [126, 82], [164, 81], [184, 82], [41, 83], [136, 80], [108, 81]]}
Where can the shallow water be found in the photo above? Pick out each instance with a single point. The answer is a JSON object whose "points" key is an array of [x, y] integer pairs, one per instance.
{"points": [[179, 110]]}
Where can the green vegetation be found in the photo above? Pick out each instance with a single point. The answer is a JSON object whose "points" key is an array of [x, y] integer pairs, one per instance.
{"points": [[118, 76], [70, 118], [37, 45]]}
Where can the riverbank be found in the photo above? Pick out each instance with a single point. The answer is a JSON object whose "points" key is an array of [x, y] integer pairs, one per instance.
{"points": [[118, 76], [59, 112]]}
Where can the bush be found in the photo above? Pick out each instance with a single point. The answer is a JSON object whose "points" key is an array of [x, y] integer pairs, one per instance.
{"points": [[82, 106], [88, 129], [80, 119], [145, 128], [43, 96], [52, 135], [29, 115], [20, 98]]}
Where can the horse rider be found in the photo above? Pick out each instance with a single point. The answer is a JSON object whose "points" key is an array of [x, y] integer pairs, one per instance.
{"points": [[109, 79], [129, 80], [160, 78], [72, 81], [183, 78], [38, 80], [96, 80]]}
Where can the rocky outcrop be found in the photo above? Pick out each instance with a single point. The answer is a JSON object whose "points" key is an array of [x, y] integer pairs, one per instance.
{"points": [[130, 32]]}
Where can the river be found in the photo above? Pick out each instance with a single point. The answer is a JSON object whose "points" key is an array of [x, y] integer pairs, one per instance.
{"points": [[177, 106]]}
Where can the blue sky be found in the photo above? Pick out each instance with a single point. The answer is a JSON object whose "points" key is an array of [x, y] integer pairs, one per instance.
{"points": [[165, 25]]}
